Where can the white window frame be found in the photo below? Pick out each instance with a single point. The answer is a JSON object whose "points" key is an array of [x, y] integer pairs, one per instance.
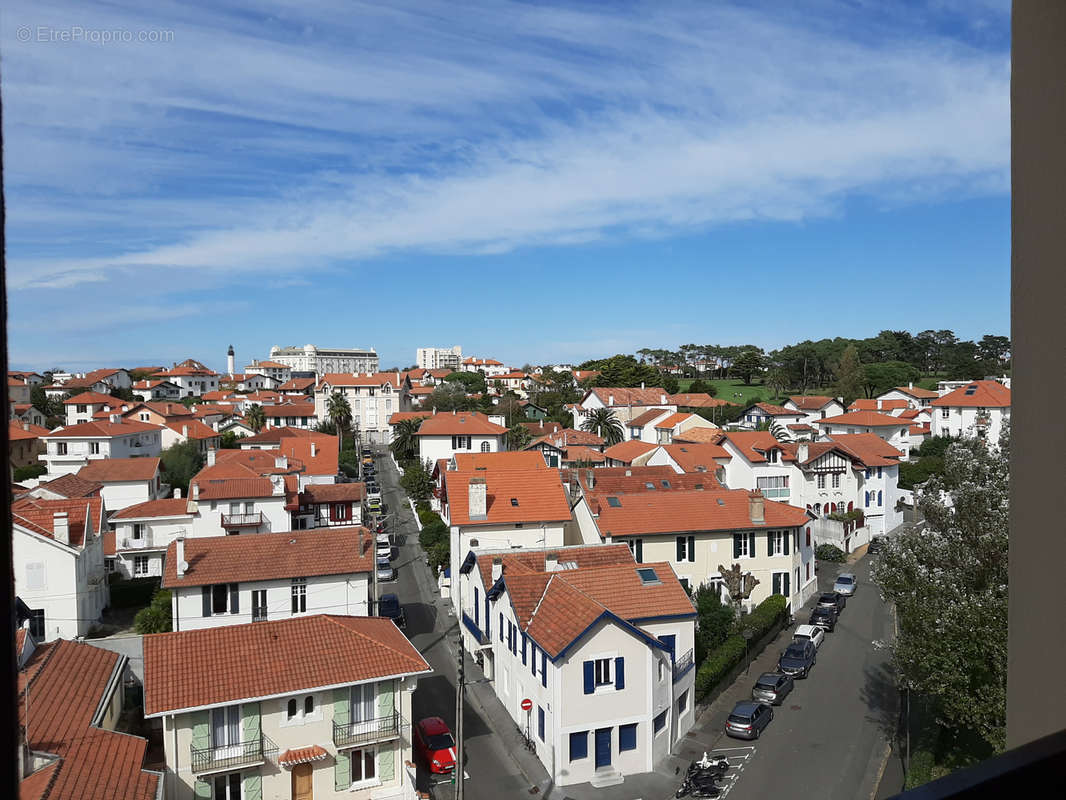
{"points": [[779, 542], [147, 567], [821, 480], [364, 782], [745, 543], [603, 668], [836, 480]]}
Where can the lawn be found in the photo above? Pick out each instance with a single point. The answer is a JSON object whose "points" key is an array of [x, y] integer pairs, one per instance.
{"points": [[736, 391]]}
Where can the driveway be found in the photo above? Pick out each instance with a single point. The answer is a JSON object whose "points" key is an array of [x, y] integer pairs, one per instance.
{"points": [[830, 737], [492, 769]]}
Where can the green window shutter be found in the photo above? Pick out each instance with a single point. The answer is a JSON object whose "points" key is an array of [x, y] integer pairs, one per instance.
{"points": [[201, 789], [250, 721], [201, 729], [387, 762], [386, 704], [253, 786], [341, 706], [342, 771]]}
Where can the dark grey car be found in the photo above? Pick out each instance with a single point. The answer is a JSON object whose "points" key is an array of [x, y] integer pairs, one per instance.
{"points": [[748, 720], [798, 658], [772, 687], [824, 617], [833, 600]]}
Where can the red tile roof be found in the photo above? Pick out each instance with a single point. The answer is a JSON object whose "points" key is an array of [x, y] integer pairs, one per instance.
{"points": [[647, 417], [297, 385], [977, 394], [258, 462], [537, 429], [275, 435], [232, 488], [577, 454], [869, 448], [567, 437], [38, 515], [873, 404], [507, 460], [752, 444], [626, 452], [360, 379], [60, 689], [302, 755], [699, 435], [530, 561], [777, 411], [290, 410], [863, 419], [462, 422], [400, 416], [98, 428], [264, 659], [325, 460], [166, 507], [673, 420], [650, 396], [811, 402], [270, 556], [71, 485], [697, 458], [674, 512], [193, 429], [115, 470], [622, 480], [482, 362], [696, 400], [91, 399], [333, 493], [513, 496], [917, 392]]}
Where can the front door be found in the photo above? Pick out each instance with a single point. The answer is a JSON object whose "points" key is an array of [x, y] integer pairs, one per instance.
{"points": [[603, 747], [302, 788]]}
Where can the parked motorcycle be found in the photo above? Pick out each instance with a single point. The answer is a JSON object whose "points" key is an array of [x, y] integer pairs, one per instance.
{"points": [[718, 766], [699, 785]]}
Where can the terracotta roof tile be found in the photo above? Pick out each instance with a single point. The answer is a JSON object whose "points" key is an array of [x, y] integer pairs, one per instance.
{"points": [[275, 435], [537, 429], [626, 452], [460, 423], [91, 399], [232, 488], [97, 428], [583, 454], [918, 392], [506, 460], [650, 396], [697, 458], [400, 416], [324, 461], [696, 400], [863, 419], [112, 470], [699, 435], [261, 659], [777, 411], [38, 515], [19, 431], [166, 507], [752, 444], [623, 480], [269, 556], [648, 417], [567, 437], [978, 394], [302, 755], [360, 379], [333, 493], [873, 404], [72, 486], [673, 420], [525, 496], [66, 682], [869, 448], [811, 402]]}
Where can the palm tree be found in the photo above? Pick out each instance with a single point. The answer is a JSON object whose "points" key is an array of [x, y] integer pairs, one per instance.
{"points": [[255, 417], [779, 432], [340, 413], [404, 442], [604, 423]]}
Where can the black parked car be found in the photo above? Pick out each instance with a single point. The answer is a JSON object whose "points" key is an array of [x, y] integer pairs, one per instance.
{"points": [[798, 658], [772, 687], [389, 606], [833, 600], [825, 617], [877, 544]]}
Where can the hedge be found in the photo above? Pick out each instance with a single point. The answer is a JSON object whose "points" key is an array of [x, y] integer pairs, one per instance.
{"points": [[29, 471], [730, 653], [827, 552]]}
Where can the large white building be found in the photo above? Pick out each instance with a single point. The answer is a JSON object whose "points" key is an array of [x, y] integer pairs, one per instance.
{"points": [[373, 398], [321, 360], [439, 357], [71, 448], [980, 408], [316, 706]]}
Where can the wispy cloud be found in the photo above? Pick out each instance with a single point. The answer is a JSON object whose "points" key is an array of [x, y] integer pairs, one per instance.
{"points": [[326, 135]]}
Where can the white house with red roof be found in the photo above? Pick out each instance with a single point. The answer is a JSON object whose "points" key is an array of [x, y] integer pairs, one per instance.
{"points": [[230, 580], [767, 413], [142, 533], [489, 367], [155, 389], [284, 721], [600, 646], [125, 481], [699, 530], [272, 369], [190, 430], [894, 430], [373, 398], [980, 408], [292, 415], [233, 498], [59, 563], [814, 407], [913, 396], [626, 403], [70, 448], [442, 435], [191, 377], [83, 406]]}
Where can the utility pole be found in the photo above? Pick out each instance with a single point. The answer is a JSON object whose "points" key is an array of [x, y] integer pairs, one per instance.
{"points": [[460, 684]]}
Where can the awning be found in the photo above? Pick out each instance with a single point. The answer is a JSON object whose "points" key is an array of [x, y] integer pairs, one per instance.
{"points": [[496, 590], [302, 755], [468, 563]]}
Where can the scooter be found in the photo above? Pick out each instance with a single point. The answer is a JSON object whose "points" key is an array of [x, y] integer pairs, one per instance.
{"points": [[699, 785], [713, 766]]}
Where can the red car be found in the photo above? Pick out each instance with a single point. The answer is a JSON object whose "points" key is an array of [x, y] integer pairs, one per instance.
{"points": [[434, 743]]}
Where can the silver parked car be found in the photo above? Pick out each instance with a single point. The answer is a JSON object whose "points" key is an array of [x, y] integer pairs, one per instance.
{"points": [[748, 720], [845, 583], [772, 687]]}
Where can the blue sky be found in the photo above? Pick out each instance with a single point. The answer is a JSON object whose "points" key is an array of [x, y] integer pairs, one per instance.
{"points": [[534, 181]]}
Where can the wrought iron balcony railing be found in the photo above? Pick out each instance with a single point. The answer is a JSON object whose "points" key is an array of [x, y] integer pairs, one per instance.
{"points": [[227, 756], [367, 730]]}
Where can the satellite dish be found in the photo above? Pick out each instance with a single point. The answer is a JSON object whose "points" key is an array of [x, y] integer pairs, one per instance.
{"points": [[184, 566]]}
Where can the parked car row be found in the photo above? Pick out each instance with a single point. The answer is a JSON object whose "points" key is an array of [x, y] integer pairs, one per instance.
{"points": [[749, 718]]}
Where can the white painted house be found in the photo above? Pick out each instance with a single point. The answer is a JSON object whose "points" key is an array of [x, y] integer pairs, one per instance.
{"points": [[311, 707], [894, 430], [229, 580], [980, 408], [767, 413], [440, 436], [125, 481], [913, 396], [82, 407], [70, 448], [814, 407], [373, 398], [142, 533], [59, 564], [601, 646], [626, 403]]}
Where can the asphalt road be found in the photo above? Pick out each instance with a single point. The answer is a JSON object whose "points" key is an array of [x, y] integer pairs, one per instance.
{"points": [[828, 739], [491, 772]]}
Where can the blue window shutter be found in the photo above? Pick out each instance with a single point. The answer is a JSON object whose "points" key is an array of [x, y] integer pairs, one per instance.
{"points": [[579, 745], [880, 497], [540, 722], [234, 599], [619, 673], [523, 649], [589, 677], [477, 607], [543, 669], [769, 543], [627, 737], [533, 659], [680, 549], [691, 548], [501, 627], [867, 498]]}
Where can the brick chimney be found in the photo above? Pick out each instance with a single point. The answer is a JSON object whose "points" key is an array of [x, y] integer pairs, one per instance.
{"points": [[756, 507], [61, 527], [210, 456], [478, 499], [497, 568]]}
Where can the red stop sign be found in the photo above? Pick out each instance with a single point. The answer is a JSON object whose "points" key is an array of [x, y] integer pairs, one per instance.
{"points": [[527, 705]]}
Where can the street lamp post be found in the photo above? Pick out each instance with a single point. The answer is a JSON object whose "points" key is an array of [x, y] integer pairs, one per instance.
{"points": [[460, 686]]}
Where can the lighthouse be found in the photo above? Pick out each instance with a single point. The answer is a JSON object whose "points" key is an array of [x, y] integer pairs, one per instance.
{"points": [[230, 361]]}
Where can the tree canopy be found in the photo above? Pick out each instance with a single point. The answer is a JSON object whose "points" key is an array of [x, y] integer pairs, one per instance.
{"points": [[180, 462], [474, 382]]}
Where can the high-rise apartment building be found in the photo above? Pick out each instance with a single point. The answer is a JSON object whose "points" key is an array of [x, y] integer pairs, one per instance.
{"points": [[321, 360], [439, 357]]}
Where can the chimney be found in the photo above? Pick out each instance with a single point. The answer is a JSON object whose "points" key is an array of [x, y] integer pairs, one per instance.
{"points": [[590, 478], [478, 499], [551, 562], [185, 431], [910, 385], [61, 527], [281, 462], [756, 507], [662, 399], [177, 493], [25, 426], [610, 399], [497, 568], [314, 449], [642, 385], [277, 484], [210, 456], [179, 556], [115, 418], [196, 492], [801, 452]]}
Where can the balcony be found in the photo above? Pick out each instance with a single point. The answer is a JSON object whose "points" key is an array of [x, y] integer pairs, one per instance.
{"points": [[230, 756], [367, 730], [682, 666], [482, 638], [253, 520]]}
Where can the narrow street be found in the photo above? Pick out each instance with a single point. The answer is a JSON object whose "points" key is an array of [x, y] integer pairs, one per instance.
{"points": [[491, 771]]}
